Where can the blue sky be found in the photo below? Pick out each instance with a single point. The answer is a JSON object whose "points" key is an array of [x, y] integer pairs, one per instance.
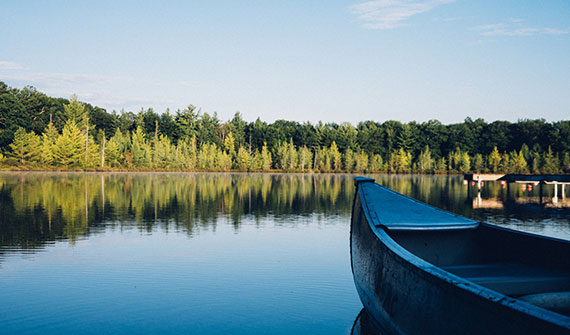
{"points": [[298, 60]]}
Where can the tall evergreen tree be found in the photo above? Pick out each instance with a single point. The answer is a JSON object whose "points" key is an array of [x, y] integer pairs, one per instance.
{"points": [[425, 162], [536, 162], [361, 161], [229, 144], [305, 158], [336, 157], [265, 158], [465, 163], [505, 165], [49, 138], [20, 148], [479, 163], [243, 159], [551, 162], [402, 161], [494, 160], [75, 111], [349, 160], [519, 162], [69, 145], [140, 149], [377, 163]]}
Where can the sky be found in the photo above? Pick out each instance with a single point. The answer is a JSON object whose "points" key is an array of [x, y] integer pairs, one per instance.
{"points": [[335, 61]]}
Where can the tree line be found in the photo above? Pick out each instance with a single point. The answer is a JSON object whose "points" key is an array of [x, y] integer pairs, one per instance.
{"points": [[38, 131]]}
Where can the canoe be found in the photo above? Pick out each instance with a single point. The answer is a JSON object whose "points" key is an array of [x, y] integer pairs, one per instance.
{"points": [[422, 270]]}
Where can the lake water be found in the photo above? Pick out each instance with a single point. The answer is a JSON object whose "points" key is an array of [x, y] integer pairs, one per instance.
{"points": [[210, 253]]}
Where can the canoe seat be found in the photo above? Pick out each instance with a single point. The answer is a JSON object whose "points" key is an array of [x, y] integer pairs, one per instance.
{"points": [[556, 301], [514, 279]]}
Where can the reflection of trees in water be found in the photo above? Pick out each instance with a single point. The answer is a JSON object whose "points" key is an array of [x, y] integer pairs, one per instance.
{"points": [[38, 207]]}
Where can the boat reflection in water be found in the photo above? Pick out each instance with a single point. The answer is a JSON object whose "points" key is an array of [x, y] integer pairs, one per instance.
{"points": [[365, 324]]}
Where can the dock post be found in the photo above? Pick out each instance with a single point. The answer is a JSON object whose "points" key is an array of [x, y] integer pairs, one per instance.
{"points": [[563, 191], [555, 199], [479, 182]]}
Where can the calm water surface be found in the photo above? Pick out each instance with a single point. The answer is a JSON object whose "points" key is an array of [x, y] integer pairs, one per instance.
{"points": [[207, 253]]}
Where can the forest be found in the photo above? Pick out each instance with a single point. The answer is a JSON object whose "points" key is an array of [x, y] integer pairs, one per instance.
{"points": [[41, 132]]}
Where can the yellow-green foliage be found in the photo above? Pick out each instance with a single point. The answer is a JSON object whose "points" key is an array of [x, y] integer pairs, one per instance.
{"points": [[494, 160], [401, 161], [361, 161], [26, 147], [305, 159], [69, 146], [243, 159], [335, 157]]}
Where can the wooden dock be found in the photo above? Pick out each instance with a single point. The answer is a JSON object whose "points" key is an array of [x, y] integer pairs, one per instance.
{"points": [[496, 203], [535, 179], [482, 176], [520, 178]]}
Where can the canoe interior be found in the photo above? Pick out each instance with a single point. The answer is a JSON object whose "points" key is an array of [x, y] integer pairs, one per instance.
{"points": [[514, 264]]}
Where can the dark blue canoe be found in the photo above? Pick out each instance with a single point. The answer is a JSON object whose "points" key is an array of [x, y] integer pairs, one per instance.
{"points": [[422, 270]]}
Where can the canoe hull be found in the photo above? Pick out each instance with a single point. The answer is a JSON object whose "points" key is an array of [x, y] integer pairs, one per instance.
{"points": [[409, 296]]}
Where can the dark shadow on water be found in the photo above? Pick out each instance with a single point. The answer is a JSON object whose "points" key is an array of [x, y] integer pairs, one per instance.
{"points": [[365, 324]]}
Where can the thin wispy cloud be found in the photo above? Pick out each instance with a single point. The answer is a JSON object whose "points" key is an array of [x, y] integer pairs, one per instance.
{"points": [[60, 79], [451, 19], [86, 86], [7, 65], [516, 28], [390, 14]]}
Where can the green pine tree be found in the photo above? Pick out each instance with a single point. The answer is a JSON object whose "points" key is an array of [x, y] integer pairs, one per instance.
{"points": [[305, 158], [402, 161], [494, 160], [49, 137], [265, 158], [292, 158], [465, 162], [425, 162], [229, 144], [349, 160], [336, 157], [75, 111], [505, 165], [243, 159], [361, 162], [140, 149], [377, 164], [441, 166], [518, 162], [19, 146], [535, 162], [479, 163], [551, 162], [69, 145]]}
